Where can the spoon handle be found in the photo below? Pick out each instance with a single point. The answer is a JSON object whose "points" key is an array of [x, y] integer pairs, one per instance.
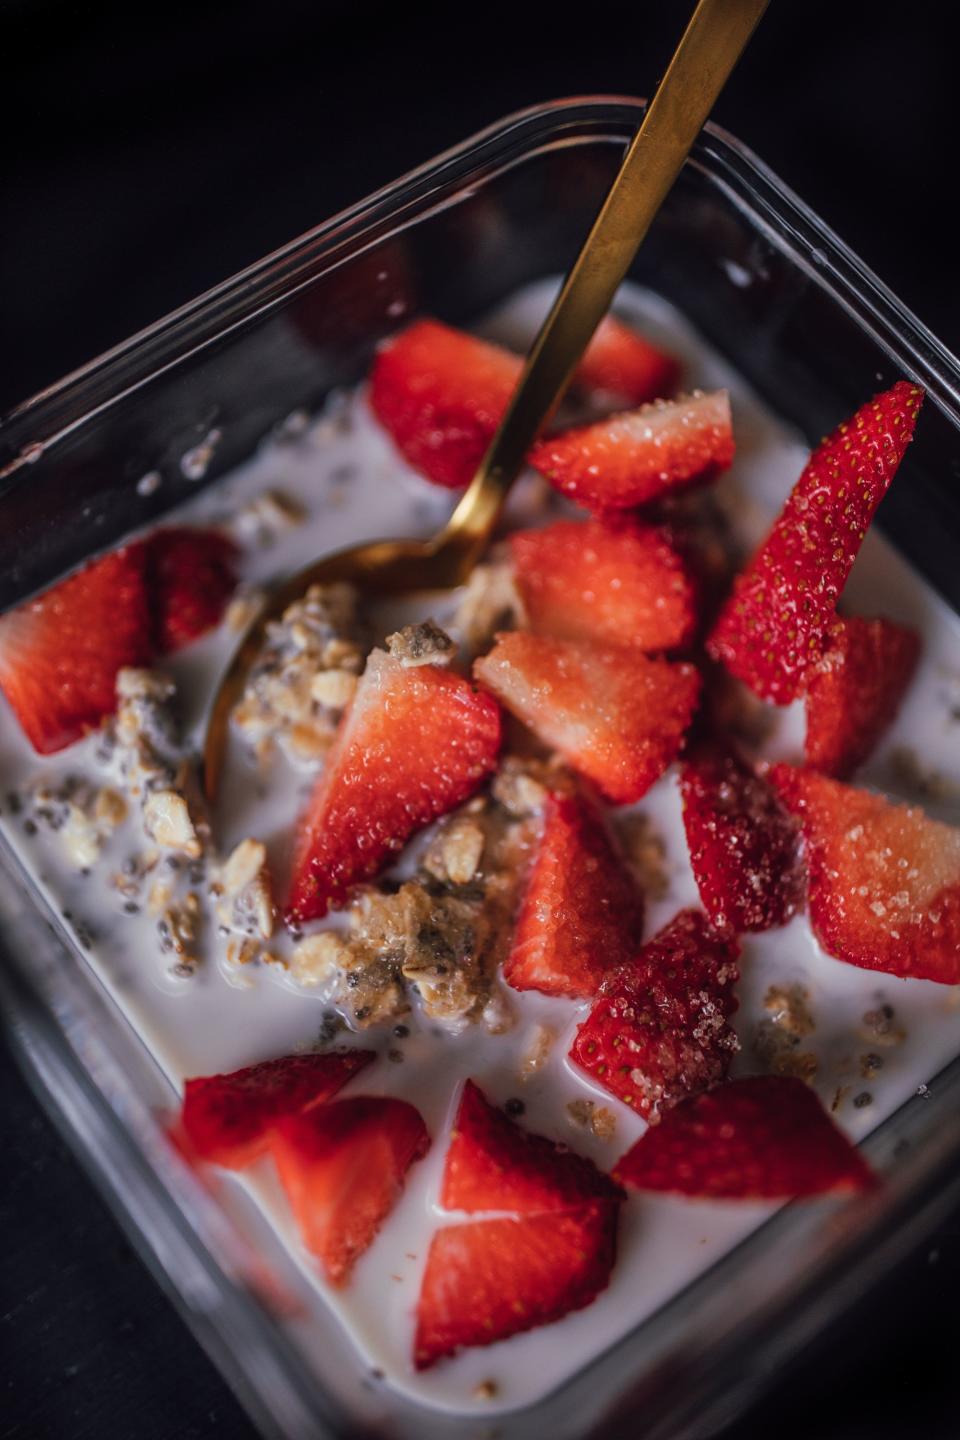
{"points": [[712, 43]]}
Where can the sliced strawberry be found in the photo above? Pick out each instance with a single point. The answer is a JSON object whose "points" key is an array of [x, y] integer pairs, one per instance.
{"points": [[641, 455], [883, 880], [191, 575], [763, 1138], [60, 653], [415, 743], [343, 1167], [492, 1164], [660, 1029], [621, 585], [619, 717], [582, 912], [490, 1279], [227, 1118], [440, 394], [855, 691], [743, 847], [622, 364], [774, 625]]}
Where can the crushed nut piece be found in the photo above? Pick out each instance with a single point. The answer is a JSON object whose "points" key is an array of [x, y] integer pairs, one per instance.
{"points": [[246, 906], [486, 1390], [490, 603], [537, 1052], [424, 644], [242, 610], [166, 820], [777, 1039], [878, 1026], [600, 1121], [455, 854], [521, 786], [265, 517], [603, 1123], [82, 816], [317, 959], [333, 688]]}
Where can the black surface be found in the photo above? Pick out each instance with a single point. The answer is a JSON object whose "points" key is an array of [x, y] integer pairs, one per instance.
{"points": [[150, 152]]}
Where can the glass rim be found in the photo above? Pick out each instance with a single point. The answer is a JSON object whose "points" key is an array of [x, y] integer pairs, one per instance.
{"points": [[38, 423]]}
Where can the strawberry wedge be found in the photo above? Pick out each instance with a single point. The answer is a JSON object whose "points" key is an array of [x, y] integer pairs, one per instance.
{"points": [[660, 1028], [617, 716], [854, 693], [621, 365], [883, 880], [618, 584], [774, 626], [60, 653], [743, 846], [415, 743], [763, 1138], [440, 394], [642, 455], [227, 1118], [581, 912], [493, 1164], [490, 1279], [191, 576], [343, 1168]]}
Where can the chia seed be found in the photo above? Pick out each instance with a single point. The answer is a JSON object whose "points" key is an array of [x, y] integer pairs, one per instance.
{"points": [[514, 1108], [401, 1031], [29, 827], [861, 1101], [131, 908], [395, 1055]]}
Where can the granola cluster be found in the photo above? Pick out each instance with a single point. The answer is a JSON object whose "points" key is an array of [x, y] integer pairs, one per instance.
{"points": [[305, 677], [440, 936]]}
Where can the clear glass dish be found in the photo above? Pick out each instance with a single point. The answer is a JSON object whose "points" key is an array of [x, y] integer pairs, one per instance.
{"points": [[813, 332]]}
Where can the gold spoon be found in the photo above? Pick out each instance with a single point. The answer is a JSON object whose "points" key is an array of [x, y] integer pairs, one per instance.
{"points": [[712, 43]]}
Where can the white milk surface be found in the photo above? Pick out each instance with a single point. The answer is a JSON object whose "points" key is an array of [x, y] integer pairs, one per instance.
{"points": [[352, 484]]}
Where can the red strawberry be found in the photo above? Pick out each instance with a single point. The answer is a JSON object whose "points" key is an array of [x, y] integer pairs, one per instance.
{"points": [[490, 1279], [883, 880], [440, 394], [622, 585], [191, 577], [343, 1167], [60, 653], [854, 693], [581, 913], [621, 363], [492, 1164], [616, 715], [773, 627], [660, 1028], [227, 1118], [641, 455], [415, 743], [763, 1138], [743, 847]]}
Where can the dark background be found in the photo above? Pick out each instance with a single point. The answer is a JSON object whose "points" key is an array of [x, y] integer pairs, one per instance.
{"points": [[149, 152]]}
